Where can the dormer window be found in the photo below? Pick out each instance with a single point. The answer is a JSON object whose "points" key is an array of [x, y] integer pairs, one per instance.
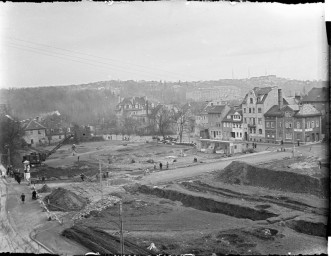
{"points": [[287, 114], [251, 100]]}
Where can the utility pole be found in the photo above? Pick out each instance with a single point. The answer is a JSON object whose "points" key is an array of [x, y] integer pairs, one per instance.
{"points": [[8, 155], [121, 232], [101, 179]]}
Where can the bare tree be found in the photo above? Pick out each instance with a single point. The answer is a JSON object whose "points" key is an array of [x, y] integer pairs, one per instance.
{"points": [[11, 136], [185, 121], [164, 120]]}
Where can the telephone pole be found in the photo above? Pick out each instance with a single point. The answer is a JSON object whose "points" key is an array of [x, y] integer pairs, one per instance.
{"points": [[121, 232], [101, 179]]}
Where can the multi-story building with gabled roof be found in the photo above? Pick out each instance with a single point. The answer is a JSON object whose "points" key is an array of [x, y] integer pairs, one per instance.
{"points": [[255, 104], [135, 107], [293, 123]]}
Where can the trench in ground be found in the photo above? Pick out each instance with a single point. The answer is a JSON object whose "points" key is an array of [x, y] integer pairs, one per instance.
{"points": [[281, 201], [208, 204]]}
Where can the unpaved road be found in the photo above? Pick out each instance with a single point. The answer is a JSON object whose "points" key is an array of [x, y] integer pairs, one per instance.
{"points": [[187, 172]]}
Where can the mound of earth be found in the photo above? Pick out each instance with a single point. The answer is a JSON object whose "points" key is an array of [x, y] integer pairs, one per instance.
{"points": [[100, 241], [64, 200], [245, 174], [44, 189]]}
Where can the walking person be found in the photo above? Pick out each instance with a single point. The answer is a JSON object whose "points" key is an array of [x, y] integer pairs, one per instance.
{"points": [[160, 166], [18, 179], [34, 195], [154, 166], [23, 198], [167, 165]]}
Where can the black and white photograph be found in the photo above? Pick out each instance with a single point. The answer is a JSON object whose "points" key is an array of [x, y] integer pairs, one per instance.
{"points": [[164, 128]]}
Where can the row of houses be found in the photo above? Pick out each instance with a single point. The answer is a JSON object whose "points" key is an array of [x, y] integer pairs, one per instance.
{"points": [[264, 116]]}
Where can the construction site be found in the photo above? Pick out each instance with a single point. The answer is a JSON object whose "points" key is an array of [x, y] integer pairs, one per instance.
{"points": [[114, 197]]}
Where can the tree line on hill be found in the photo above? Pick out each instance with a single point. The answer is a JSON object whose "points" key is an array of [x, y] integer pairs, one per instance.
{"points": [[79, 106]]}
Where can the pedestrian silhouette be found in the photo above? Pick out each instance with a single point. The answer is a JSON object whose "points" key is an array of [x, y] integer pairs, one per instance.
{"points": [[23, 198]]}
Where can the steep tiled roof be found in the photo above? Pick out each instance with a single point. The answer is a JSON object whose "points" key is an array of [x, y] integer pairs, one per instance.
{"points": [[316, 95], [216, 109], [262, 90], [133, 101], [308, 110], [34, 125], [274, 111]]}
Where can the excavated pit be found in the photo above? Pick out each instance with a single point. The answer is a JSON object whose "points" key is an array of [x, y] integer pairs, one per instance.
{"points": [[308, 227], [208, 204]]}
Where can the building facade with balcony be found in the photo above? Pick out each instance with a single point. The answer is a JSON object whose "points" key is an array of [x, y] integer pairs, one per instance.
{"points": [[232, 125], [255, 104]]}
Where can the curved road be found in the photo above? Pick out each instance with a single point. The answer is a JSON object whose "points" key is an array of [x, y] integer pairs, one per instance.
{"points": [[198, 169]]}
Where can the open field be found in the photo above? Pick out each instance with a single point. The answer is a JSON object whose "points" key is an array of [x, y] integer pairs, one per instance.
{"points": [[259, 204]]}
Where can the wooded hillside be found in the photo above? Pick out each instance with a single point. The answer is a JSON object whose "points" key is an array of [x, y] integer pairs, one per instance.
{"points": [[81, 106]]}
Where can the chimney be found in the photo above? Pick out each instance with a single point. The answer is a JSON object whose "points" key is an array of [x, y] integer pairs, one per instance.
{"points": [[280, 99], [37, 118]]}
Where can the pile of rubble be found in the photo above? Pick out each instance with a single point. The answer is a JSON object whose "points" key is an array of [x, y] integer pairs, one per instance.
{"points": [[97, 206]]}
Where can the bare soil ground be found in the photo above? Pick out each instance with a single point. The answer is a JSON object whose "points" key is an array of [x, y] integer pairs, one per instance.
{"points": [[199, 215]]}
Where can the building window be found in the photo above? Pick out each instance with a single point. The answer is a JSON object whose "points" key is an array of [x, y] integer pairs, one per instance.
{"points": [[244, 110], [308, 125], [280, 124], [259, 110], [286, 125], [251, 100], [273, 136], [245, 121], [317, 124], [250, 110], [312, 124], [253, 110], [289, 125], [298, 125], [260, 131], [268, 124], [224, 124], [288, 136], [272, 124], [60, 137]]}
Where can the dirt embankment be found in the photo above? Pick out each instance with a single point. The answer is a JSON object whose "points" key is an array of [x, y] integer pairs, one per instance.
{"points": [[246, 174], [64, 200], [100, 241], [208, 204]]}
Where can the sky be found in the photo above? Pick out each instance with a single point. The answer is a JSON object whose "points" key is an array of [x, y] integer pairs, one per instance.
{"points": [[47, 44]]}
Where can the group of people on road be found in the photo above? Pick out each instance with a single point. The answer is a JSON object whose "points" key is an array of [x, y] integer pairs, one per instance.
{"points": [[34, 196], [161, 165]]}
